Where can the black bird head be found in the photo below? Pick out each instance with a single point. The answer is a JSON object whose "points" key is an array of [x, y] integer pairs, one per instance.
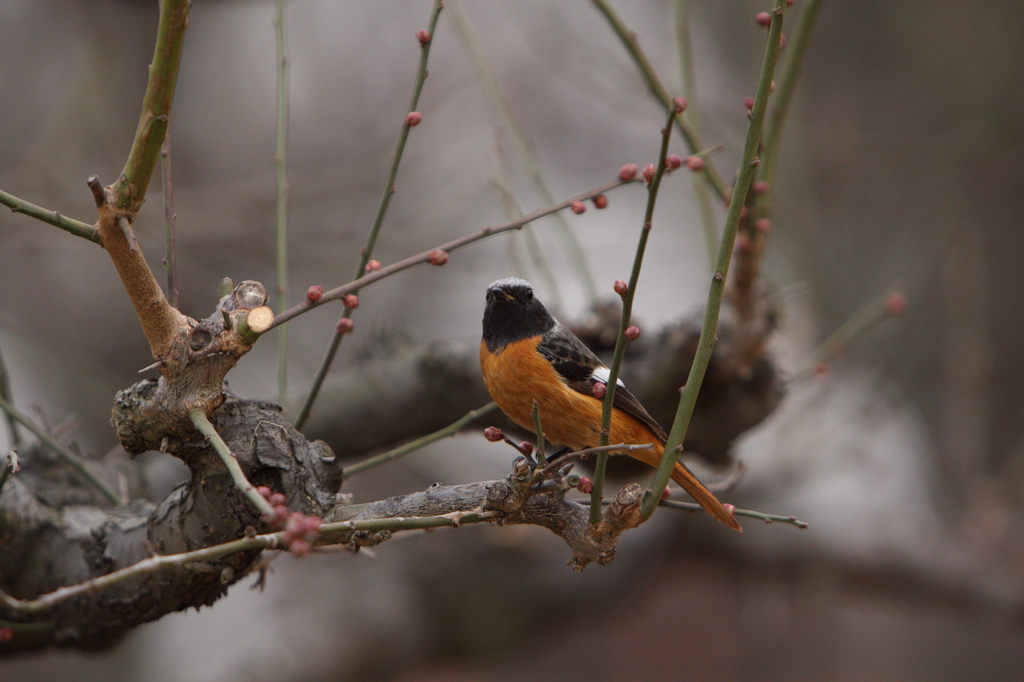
{"points": [[513, 313]]}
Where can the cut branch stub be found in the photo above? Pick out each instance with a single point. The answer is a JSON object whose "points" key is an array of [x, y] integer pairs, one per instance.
{"points": [[198, 357]]}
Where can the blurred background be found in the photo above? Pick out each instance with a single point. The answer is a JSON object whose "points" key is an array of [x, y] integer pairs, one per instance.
{"points": [[900, 167]]}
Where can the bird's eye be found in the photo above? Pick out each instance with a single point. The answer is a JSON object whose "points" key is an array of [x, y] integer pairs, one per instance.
{"points": [[529, 295]]}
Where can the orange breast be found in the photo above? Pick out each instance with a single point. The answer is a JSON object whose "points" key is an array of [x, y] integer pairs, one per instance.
{"points": [[518, 375]]}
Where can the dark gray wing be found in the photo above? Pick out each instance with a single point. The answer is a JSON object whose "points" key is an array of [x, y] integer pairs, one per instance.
{"points": [[581, 369]]}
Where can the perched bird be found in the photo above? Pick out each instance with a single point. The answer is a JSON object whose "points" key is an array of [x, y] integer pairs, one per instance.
{"points": [[527, 355]]}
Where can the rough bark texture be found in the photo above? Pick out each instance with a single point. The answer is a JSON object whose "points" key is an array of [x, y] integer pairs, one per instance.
{"points": [[55, 532]]}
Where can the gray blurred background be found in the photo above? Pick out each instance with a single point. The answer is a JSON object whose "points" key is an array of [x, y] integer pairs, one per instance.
{"points": [[900, 164]]}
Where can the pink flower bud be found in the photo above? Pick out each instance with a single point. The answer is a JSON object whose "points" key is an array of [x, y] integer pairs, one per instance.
{"points": [[493, 434], [895, 303], [423, 35], [372, 265], [679, 105], [666, 494], [621, 288], [743, 243], [763, 19], [632, 332], [264, 492], [281, 513], [627, 172], [276, 499], [345, 325], [577, 207], [413, 119], [672, 161], [600, 201], [600, 390], [437, 257], [585, 485], [759, 187], [527, 447], [300, 548], [763, 225], [748, 103], [649, 172], [314, 293], [731, 508], [695, 163], [350, 301]]}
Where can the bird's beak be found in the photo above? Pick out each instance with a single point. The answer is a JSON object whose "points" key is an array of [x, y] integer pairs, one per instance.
{"points": [[500, 294]]}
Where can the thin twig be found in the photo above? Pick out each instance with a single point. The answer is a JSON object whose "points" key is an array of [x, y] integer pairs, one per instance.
{"points": [[5, 393], [448, 247], [542, 459], [281, 164], [449, 430], [202, 422], [627, 313], [786, 85], [71, 458], [856, 326], [266, 541], [708, 329], [75, 227], [525, 150], [170, 240], [689, 90], [692, 137], [767, 518], [378, 221], [562, 460]]}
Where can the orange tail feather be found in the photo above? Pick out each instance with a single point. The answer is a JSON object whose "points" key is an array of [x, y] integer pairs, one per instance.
{"points": [[704, 497]]}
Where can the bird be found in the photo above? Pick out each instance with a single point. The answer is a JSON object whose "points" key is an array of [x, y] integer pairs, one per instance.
{"points": [[526, 355]]}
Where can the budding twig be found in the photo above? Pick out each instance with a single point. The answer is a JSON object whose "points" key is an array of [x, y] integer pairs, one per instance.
{"points": [[424, 257], [624, 322], [385, 200], [281, 164], [170, 241], [708, 330]]}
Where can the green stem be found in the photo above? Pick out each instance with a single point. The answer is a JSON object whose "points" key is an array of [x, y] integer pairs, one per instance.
{"points": [[170, 242], [412, 446], [382, 209], [202, 422], [839, 340], [689, 133], [71, 458], [5, 393], [525, 150], [686, 72], [448, 247], [627, 311], [542, 459], [708, 330], [786, 85], [281, 163], [75, 227], [130, 189]]}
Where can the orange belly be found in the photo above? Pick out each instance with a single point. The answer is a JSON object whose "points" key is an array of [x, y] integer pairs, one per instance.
{"points": [[517, 375]]}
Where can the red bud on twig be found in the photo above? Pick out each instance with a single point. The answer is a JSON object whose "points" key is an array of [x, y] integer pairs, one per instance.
{"points": [[649, 172], [621, 288], [314, 293], [373, 265], [350, 301], [627, 172], [578, 207], [633, 332], [413, 119], [672, 161], [600, 201], [493, 434], [345, 325], [423, 35], [437, 257], [695, 163]]}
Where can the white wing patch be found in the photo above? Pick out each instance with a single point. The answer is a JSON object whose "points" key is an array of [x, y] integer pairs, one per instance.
{"points": [[602, 374]]}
